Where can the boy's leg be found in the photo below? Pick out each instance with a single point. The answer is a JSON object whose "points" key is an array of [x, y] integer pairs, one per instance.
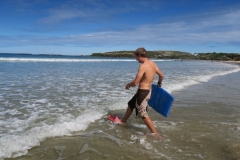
{"points": [[127, 115], [149, 123]]}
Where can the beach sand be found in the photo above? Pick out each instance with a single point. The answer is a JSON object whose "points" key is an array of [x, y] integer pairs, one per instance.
{"points": [[232, 62]]}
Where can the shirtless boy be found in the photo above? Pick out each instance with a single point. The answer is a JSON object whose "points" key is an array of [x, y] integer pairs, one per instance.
{"points": [[144, 79]]}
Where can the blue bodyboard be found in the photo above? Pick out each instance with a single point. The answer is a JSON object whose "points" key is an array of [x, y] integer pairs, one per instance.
{"points": [[160, 100]]}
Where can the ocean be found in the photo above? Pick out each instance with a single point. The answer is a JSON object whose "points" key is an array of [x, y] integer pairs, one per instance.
{"points": [[56, 107]]}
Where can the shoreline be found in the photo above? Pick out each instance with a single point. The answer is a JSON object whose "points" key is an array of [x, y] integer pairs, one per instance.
{"points": [[231, 62]]}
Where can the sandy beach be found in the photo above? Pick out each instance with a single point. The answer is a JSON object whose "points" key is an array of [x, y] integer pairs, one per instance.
{"points": [[233, 62]]}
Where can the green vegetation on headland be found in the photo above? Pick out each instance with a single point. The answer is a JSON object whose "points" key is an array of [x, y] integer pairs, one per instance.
{"points": [[175, 55], [151, 54], [218, 56]]}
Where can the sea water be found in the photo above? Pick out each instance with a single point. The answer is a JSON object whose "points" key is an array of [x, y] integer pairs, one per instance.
{"points": [[56, 107]]}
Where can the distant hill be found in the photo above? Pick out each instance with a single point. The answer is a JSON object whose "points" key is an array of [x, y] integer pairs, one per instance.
{"points": [[175, 55], [218, 56], [151, 54]]}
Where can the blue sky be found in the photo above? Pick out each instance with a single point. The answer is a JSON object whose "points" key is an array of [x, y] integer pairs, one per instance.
{"points": [[83, 27]]}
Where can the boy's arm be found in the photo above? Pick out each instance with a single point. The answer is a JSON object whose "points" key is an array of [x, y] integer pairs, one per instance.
{"points": [[137, 78], [160, 76]]}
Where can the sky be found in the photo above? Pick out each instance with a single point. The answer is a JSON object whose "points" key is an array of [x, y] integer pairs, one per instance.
{"points": [[83, 27]]}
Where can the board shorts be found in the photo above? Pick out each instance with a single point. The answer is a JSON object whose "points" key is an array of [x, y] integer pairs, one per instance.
{"points": [[140, 102]]}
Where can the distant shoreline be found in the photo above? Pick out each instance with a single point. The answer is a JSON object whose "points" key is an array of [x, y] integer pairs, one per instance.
{"points": [[175, 55], [30, 54], [231, 62], [168, 55]]}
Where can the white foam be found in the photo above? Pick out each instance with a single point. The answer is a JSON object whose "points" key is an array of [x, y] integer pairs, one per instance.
{"points": [[11, 112], [196, 79], [146, 144], [18, 144], [167, 125], [69, 60], [41, 101]]}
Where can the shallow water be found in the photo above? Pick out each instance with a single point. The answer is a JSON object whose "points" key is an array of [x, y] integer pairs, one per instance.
{"points": [[198, 128], [51, 109]]}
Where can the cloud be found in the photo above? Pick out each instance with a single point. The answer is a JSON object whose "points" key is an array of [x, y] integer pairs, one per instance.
{"points": [[61, 15], [95, 10], [215, 28]]}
